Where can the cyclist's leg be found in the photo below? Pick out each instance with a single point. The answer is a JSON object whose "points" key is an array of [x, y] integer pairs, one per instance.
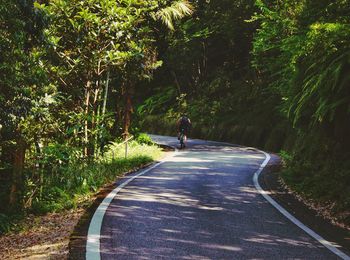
{"points": [[185, 137], [181, 140], [182, 136]]}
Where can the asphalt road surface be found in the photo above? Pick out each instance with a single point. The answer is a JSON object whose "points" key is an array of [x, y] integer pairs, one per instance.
{"points": [[202, 204]]}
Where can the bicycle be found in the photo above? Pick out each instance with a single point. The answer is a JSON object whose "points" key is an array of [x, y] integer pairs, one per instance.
{"points": [[182, 138]]}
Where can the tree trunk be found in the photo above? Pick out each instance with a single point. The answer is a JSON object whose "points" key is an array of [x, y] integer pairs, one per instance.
{"points": [[105, 94], [97, 115], [86, 130], [205, 59], [128, 109], [39, 167], [94, 121], [7, 158], [17, 174], [118, 115], [176, 82], [38, 152], [104, 105]]}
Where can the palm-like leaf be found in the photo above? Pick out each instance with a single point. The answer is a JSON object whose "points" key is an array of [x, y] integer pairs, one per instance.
{"points": [[174, 12]]}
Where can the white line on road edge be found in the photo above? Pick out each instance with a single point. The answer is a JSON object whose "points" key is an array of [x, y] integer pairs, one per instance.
{"points": [[94, 232], [324, 242]]}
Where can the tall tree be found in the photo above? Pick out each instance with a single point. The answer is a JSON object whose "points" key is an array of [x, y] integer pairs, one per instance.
{"points": [[22, 79]]}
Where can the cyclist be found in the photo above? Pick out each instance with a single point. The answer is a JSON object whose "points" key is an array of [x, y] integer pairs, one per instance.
{"points": [[183, 126]]}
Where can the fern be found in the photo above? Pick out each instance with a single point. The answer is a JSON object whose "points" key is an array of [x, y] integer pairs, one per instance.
{"points": [[176, 11]]}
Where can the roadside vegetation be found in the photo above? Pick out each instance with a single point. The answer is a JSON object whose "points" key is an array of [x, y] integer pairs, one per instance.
{"points": [[68, 71], [73, 183]]}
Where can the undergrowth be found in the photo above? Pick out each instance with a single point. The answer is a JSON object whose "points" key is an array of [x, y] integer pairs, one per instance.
{"points": [[320, 177], [74, 183]]}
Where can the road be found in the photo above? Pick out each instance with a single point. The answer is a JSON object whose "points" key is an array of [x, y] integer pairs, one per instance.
{"points": [[201, 204]]}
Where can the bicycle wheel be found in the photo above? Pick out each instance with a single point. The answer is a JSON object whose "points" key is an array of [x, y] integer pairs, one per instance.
{"points": [[182, 145]]}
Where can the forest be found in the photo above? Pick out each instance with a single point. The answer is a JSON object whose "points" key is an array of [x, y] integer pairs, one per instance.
{"points": [[78, 77]]}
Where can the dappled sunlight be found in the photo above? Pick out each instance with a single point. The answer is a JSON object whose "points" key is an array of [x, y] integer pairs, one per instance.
{"points": [[168, 198], [197, 204], [203, 161], [191, 170], [170, 231], [239, 199], [162, 178], [191, 160], [165, 220], [219, 174], [123, 211], [275, 222], [199, 168], [251, 190], [274, 240], [182, 241], [43, 251], [242, 156], [211, 208], [223, 247]]}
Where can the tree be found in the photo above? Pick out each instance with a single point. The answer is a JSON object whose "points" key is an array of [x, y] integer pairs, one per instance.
{"points": [[22, 80], [92, 37]]}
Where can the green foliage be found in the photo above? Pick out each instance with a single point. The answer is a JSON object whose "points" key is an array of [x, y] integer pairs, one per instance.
{"points": [[9, 223], [53, 199], [326, 43], [174, 12], [5, 224], [157, 103], [305, 59], [22, 75], [144, 138], [70, 181], [117, 150], [313, 171], [74, 177]]}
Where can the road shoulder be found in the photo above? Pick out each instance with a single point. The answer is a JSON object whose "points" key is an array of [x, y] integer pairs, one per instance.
{"points": [[78, 239], [270, 181]]}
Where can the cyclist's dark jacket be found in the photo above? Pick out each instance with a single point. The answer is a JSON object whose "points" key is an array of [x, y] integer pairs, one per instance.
{"points": [[185, 124]]}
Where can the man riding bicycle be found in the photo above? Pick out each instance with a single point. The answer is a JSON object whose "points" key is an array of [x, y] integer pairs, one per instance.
{"points": [[183, 126]]}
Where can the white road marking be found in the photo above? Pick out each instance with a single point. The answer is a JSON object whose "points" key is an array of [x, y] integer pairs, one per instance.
{"points": [[331, 246], [94, 233]]}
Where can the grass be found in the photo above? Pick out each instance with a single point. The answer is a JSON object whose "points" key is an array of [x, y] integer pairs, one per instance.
{"points": [[74, 184]]}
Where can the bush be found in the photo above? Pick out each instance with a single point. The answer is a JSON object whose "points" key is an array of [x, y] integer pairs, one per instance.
{"points": [[10, 222], [143, 138], [72, 180], [318, 171], [54, 199], [5, 224]]}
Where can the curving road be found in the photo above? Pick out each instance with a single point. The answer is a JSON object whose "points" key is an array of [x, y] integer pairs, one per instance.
{"points": [[201, 204]]}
